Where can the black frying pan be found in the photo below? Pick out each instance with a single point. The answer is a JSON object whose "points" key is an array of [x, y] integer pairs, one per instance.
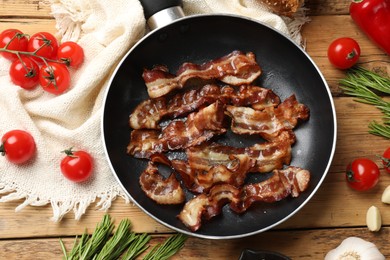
{"points": [[287, 69]]}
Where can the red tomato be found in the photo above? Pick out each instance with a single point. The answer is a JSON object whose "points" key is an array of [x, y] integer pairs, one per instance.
{"points": [[18, 146], [54, 78], [362, 174], [343, 53], [13, 39], [71, 53], [386, 159], [77, 166], [43, 44], [24, 72]]}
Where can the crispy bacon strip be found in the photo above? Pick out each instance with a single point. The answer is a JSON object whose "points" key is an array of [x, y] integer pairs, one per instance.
{"points": [[210, 164], [289, 182], [149, 112], [268, 122], [162, 191], [267, 156], [236, 68], [200, 181], [199, 127]]}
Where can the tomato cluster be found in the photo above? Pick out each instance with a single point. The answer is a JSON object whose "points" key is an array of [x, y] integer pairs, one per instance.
{"points": [[363, 173], [40, 59]]}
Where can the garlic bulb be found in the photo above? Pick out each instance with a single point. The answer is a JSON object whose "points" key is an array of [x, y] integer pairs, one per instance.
{"points": [[354, 248]]}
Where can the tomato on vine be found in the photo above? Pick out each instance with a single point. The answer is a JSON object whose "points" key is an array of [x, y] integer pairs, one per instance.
{"points": [[12, 40], [17, 146], [386, 160], [77, 166], [71, 53], [343, 52], [362, 174], [24, 72], [43, 44], [54, 78]]}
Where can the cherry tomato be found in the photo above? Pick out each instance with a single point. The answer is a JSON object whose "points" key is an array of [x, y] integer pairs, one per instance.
{"points": [[77, 166], [362, 174], [24, 72], [13, 39], [386, 159], [343, 52], [71, 53], [44, 44], [54, 78], [17, 146]]}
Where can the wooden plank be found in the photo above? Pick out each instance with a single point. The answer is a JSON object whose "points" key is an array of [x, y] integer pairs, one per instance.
{"points": [[26, 8], [333, 7], [326, 208], [294, 244], [39, 9], [29, 26]]}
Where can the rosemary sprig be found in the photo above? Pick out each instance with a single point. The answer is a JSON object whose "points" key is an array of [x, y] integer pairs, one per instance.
{"points": [[361, 83], [123, 244]]}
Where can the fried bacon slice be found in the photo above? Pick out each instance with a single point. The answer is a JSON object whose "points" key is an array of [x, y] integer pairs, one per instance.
{"points": [[199, 181], [199, 127], [270, 121], [162, 191], [267, 155], [236, 68], [149, 112], [291, 181]]}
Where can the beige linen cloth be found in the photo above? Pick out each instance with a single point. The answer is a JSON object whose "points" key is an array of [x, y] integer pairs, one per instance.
{"points": [[106, 30]]}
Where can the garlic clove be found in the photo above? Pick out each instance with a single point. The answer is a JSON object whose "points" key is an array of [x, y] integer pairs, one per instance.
{"points": [[386, 195], [355, 248], [373, 219]]}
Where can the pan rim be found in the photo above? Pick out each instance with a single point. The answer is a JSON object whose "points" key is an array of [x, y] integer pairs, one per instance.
{"points": [[216, 237]]}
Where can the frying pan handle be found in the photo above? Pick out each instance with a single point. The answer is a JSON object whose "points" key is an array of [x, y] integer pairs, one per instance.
{"points": [[161, 12]]}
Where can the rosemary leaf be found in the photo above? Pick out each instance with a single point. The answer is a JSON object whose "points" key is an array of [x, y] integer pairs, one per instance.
{"points": [[170, 247], [98, 238], [137, 247], [379, 129], [371, 79]]}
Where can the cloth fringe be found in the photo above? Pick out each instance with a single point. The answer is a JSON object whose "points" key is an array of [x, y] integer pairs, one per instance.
{"points": [[61, 208], [69, 18], [295, 24]]}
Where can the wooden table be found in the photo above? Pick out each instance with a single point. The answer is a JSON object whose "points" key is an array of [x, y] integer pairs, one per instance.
{"points": [[334, 213]]}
